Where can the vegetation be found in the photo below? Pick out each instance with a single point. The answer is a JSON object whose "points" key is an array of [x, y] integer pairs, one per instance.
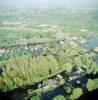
{"points": [[92, 84], [59, 97], [27, 70], [68, 89], [23, 65], [76, 93], [37, 96]]}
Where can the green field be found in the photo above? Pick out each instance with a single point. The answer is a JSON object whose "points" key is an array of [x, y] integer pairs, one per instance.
{"points": [[18, 24]]}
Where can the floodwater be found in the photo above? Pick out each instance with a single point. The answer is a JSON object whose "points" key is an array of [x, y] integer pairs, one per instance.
{"points": [[91, 44], [83, 80]]}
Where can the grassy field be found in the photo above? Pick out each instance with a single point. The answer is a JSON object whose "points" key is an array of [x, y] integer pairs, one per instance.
{"points": [[17, 24]]}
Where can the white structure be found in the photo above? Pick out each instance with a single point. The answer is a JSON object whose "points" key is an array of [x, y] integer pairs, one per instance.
{"points": [[96, 49], [84, 30]]}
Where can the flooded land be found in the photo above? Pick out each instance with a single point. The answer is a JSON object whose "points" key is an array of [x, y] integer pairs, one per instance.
{"points": [[49, 50]]}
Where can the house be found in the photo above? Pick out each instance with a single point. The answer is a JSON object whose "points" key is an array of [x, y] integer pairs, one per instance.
{"points": [[84, 30], [59, 76], [96, 49], [2, 51]]}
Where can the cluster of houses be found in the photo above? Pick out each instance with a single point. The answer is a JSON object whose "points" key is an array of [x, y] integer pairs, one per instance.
{"points": [[51, 83], [20, 50], [37, 48]]}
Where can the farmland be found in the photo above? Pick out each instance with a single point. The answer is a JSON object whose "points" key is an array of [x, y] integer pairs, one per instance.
{"points": [[17, 24]]}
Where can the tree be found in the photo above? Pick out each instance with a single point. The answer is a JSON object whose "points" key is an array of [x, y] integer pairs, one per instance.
{"points": [[59, 97], [37, 96], [77, 61], [68, 89], [68, 67], [76, 93], [92, 84]]}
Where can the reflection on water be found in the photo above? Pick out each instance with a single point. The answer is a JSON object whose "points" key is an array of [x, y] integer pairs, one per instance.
{"points": [[56, 92], [90, 96]]}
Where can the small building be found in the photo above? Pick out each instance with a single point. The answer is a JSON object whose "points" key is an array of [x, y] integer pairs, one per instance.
{"points": [[84, 30], [2, 51], [74, 44], [96, 49], [39, 85], [59, 76]]}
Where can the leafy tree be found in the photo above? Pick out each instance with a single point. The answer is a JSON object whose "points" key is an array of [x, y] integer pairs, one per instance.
{"points": [[59, 97], [68, 89], [92, 69], [77, 61], [68, 67], [92, 84], [76, 93]]}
